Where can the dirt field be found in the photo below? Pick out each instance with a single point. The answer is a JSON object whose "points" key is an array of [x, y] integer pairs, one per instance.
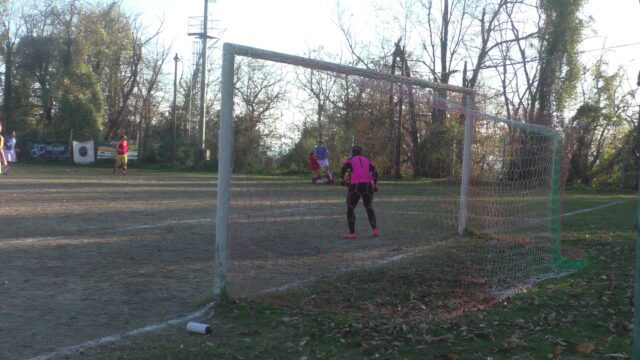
{"points": [[85, 254], [292, 230]]}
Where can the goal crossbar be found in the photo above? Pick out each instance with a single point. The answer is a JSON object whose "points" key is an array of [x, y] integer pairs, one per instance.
{"points": [[255, 53]]}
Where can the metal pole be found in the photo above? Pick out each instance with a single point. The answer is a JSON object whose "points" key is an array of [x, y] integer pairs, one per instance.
{"points": [[175, 95], [466, 164], [203, 80], [452, 174], [256, 53], [190, 112], [636, 291], [225, 144], [622, 163], [70, 145], [555, 199], [635, 351]]}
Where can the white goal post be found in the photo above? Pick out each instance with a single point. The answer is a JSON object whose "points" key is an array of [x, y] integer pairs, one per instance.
{"points": [[548, 138], [229, 53]]}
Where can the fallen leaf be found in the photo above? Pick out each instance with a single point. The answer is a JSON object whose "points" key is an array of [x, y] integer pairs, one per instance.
{"points": [[513, 341], [617, 356], [586, 348], [304, 341]]}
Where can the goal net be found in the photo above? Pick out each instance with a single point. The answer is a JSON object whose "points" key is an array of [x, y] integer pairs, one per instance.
{"points": [[469, 199]]}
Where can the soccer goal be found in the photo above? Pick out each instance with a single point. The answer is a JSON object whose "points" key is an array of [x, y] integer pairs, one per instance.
{"points": [[473, 196]]}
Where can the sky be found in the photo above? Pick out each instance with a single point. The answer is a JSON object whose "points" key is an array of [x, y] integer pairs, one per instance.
{"points": [[615, 26], [290, 26], [295, 26]]}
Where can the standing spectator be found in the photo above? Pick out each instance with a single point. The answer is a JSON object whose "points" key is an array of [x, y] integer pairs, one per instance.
{"points": [[322, 154], [121, 155], [3, 159], [10, 151]]}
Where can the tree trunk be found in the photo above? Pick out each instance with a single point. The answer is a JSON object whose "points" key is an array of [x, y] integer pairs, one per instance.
{"points": [[397, 173], [117, 118], [390, 114], [7, 113], [413, 118]]}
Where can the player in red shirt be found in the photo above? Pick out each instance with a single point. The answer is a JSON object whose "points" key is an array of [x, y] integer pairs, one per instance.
{"points": [[121, 155], [316, 169], [362, 184]]}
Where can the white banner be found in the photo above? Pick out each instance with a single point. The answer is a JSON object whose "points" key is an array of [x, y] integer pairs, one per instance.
{"points": [[83, 152]]}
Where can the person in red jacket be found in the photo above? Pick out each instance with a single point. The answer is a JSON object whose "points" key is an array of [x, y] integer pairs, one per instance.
{"points": [[121, 155], [316, 169]]}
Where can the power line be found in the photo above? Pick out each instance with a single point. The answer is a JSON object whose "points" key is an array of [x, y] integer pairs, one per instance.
{"points": [[549, 57]]}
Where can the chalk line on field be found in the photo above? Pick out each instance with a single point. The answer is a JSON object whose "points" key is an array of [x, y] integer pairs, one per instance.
{"points": [[571, 213], [176, 222], [595, 208], [22, 241], [298, 283], [150, 226], [118, 337]]}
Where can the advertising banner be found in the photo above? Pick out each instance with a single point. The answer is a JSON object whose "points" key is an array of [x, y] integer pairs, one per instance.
{"points": [[43, 151], [108, 151]]}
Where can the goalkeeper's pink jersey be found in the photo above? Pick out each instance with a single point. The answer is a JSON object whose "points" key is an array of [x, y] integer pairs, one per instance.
{"points": [[360, 168]]}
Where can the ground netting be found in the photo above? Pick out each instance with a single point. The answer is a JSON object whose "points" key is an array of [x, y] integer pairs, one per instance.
{"points": [[286, 229]]}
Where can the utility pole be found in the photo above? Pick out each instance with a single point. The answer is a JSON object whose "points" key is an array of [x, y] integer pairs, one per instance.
{"points": [[635, 349], [203, 81], [203, 34], [193, 87], [174, 138]]}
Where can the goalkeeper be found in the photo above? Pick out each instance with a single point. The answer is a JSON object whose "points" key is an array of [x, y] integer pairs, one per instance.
{"points": [[363, 183]]}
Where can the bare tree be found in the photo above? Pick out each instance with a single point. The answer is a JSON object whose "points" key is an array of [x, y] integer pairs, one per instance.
{"points": [[260, 90], [356, 50], [11, 28], [516, 67], [320, 88], [150, 94], [128, 83]]}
